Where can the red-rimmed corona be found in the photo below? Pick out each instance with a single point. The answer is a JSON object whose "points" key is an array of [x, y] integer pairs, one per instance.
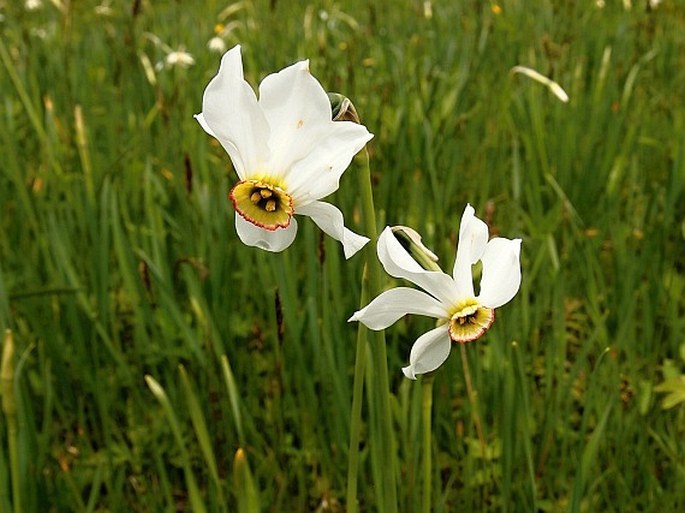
{"points": [[263, 204], [286, 149], [462, 315], [469, 320]]}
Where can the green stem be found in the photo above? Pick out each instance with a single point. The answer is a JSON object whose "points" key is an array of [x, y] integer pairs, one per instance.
{"points": [[356, 413], [371, 286], [426, 411], [378, 349]]}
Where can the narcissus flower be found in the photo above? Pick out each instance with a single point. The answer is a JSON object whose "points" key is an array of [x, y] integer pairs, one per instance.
{"points": [[463, 315], [286, 149]]}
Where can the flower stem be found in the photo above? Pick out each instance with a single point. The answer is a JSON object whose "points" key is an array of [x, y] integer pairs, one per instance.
{"points": [[426, 411], [387, 487], [356, 412]]}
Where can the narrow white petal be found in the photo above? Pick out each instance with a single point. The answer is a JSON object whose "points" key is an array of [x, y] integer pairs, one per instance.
{"points": [[501, 272], [428, 352], [392, 304], [398, 263], [473, 236], [274, 241], [330, 219], [232, 114]]}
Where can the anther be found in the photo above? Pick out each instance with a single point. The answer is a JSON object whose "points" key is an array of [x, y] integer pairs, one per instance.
{"points": [[270, 205], [255, 197]]}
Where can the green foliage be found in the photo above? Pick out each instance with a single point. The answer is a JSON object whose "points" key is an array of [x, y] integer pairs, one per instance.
{"points": [[118, 258]]}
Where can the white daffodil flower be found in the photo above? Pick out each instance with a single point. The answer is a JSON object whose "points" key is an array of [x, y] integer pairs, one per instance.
{"points": [[287, 151], [462, 315]]}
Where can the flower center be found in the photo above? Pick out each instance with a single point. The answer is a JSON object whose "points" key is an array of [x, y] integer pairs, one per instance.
{"points": [[263, 204], [469, 320]]}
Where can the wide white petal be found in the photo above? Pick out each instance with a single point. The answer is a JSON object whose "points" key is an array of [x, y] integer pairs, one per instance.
{"points": [[330, 219], [501, 272], [309, 151], [274, 241], [392, 304], [318, 174], [428, 352], [473, 236], [298, 112], [232, 114], [398, 263]]}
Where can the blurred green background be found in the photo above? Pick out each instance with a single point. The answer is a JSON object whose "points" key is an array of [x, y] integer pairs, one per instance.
{"points": [[118, 257]]}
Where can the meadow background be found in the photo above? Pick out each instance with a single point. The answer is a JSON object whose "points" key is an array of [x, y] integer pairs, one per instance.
{"points": [[118, 257]]}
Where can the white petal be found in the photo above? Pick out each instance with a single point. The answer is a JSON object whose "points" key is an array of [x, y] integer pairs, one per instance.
{"points": [[274, 241], [231, 112], [473, 236], [297, 110], [398, 263], [392, 304], [428, 352], [309, 151], [501, 272], [331, 221], [201, 119], [318, 174]]}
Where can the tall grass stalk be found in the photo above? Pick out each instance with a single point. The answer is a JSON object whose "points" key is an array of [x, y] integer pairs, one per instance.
{"points": [[244, 485], [427, 381], [473, 399], [203, 436], [196, 500], [9, 410]]}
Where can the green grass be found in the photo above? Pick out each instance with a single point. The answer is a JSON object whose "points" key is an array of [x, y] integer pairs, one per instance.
{"points": [[119, 260]]}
